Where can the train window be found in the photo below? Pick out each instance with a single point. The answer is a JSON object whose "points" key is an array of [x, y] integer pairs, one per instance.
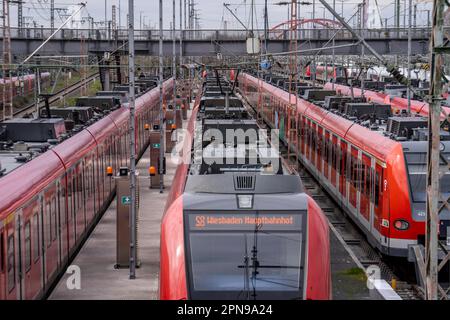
{"points": [[62, 205], [325, 151], [74, 196], [363, 178], [79, 190], [11, 264], [69, 199], [368, 180], [28, 246], [377, 188], [47, 225], [35, 222], [53, 219]]}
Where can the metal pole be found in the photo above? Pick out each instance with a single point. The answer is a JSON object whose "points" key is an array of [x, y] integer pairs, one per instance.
{"points": [[52, 15], [431, 237], [181, 40], [161, 110], [361, 27], [266, 26], [132, 141], [333, 53], [120, 14], [174, 55], [408, 92], [106, 14]]}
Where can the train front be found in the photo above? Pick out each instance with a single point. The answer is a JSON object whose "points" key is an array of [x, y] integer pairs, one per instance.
{"points": [[246, 237], [242, 229]]}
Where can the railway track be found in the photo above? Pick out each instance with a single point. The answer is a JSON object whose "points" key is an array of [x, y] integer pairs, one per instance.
{"points": [[58, 95], [353, 240]]}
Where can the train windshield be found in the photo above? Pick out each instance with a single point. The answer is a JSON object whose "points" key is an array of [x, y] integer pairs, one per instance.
{"points": [[417, 169], [245, 256]]}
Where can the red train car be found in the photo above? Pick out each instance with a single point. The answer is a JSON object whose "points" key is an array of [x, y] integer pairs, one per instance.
{"points": [[330, 73], [24, 85], [208, 251], [378, 181], [49, 205], [398, 104]]}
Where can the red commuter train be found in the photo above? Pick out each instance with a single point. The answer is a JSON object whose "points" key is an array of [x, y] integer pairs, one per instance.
{"points": [[48, 205], [27, 82], [398, 104], [328, 73], [378, 181], [210, 251]]}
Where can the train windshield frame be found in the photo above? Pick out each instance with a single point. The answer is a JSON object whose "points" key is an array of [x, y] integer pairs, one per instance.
{"points": [[416, 164], [245, 255]]}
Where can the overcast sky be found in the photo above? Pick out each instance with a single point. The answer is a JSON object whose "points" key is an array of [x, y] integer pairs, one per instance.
{"points": [[212, 13]]}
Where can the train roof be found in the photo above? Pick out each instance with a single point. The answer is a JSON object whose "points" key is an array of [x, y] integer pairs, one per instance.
{"points": [[32, 175], [17, 154], [371, 141], [244, 183]]}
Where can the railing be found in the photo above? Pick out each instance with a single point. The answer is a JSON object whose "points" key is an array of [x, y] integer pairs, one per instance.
{"points": [[210, 34]]}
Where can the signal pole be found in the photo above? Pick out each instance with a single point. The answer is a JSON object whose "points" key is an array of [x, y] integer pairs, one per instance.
{"points": [[432, 223], [132, 140], [161, 110]]}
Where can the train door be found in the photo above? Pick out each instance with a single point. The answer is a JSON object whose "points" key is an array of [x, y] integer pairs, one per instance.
{"points": [[378, 199], [101, 173], [326, 154], [62, 223], [354, 175], [79, 201], [300, 136], [71, 200], [12, 280], [88, 189], [334, 150], [343, 169], [31, 266], [364, 198], [313, 145], [319, 149], [50, 246], [308, 140], [303, 136]]}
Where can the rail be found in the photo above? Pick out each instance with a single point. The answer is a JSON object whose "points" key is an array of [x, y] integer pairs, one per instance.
{"points": [[58, 95], [214, 34]]}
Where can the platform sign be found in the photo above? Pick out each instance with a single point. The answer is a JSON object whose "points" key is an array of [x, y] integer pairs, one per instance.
{"points": [[126, 200]]}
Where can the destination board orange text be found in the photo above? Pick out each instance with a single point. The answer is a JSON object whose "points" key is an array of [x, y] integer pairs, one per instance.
{"points": [[202, 221]]}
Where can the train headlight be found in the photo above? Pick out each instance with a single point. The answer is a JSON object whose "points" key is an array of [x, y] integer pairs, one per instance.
{"points": [[245, 201], [401, 225]]}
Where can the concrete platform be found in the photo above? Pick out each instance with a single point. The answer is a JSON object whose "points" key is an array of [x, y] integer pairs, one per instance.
{"points": [[99, 279], [348, 281]]}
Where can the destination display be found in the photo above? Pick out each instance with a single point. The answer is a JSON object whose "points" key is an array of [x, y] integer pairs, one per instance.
{"points": [[263, 221]]}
